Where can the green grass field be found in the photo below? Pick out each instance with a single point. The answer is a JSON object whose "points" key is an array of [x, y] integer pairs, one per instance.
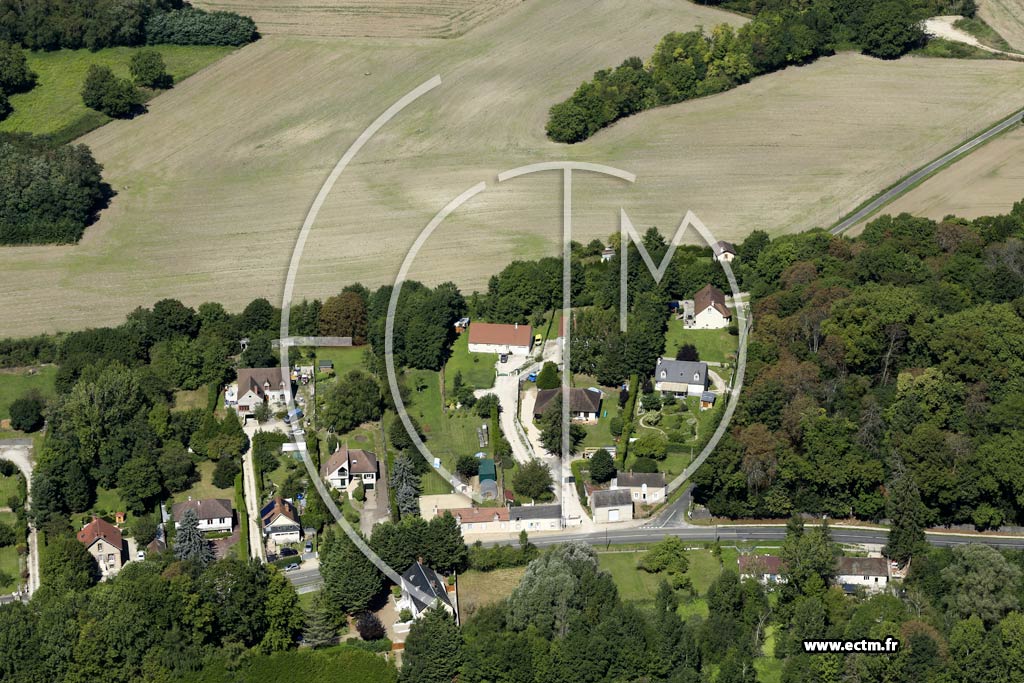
{"points": [[204, 488], [54, 106], [477, 589], [187, 400], [637, 585], [9, 486], [477, 368], [716, 346], [345, 359], [16, 382], [448, 435], [9, 566]]}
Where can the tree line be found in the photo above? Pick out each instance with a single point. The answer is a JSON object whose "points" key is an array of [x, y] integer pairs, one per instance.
{"points": [[96, 24], [885, 376], [780, 34]]}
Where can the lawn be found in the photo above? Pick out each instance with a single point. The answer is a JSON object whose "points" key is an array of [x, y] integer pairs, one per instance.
{"points": [[9, 486], [9, 565], [448, 435], [242, 148], [346, 358], [54, 106], [187, 400], [769, 669], [634, 584], [715, 346], [204, 488], [477, 368], [477, 589], [16, 382]]}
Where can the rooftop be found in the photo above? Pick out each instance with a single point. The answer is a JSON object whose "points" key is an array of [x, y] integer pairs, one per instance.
{"points": [[862, 566], [710, 297], [519, 512], [580, 400], [474, 515], [426, 580], [611, 499], [681, 371], [501, 335], [630, 479], [99, 529], [207, 508], [760, 564]]}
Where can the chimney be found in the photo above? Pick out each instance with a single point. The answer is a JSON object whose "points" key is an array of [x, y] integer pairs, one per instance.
{"points": [[517, 326]]}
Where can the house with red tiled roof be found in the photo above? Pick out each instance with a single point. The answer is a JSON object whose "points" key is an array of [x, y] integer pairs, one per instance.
{"points": [[476, 520], [494, 338], [764, 569], [281, 521], [104, 542]]}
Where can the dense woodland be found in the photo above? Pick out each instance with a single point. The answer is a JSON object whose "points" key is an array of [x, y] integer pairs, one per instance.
{"points": [[780, 34]]}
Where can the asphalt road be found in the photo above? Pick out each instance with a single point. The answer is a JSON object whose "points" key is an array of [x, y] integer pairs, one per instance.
{"points": [[920, 174]]}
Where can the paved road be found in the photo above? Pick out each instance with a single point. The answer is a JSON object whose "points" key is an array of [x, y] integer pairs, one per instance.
{"points": [[20, 453], [920, 174]]}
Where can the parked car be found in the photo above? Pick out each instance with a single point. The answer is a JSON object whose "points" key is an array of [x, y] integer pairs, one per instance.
{"points": [[141, 555], [292, 567], [289, 552], [532, 377], [503, 358], [537, 339], [309, 547]]}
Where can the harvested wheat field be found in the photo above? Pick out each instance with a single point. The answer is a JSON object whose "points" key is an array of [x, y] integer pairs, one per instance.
{"points": [[215, 181], [378, 18], [1006, 17], [984, 183]]}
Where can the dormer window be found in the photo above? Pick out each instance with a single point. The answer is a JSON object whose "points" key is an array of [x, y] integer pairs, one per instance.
{"points": [[664, 374], [696, 377]]}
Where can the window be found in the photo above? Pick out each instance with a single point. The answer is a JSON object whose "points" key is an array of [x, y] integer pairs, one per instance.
{"points": [[636, 496]]}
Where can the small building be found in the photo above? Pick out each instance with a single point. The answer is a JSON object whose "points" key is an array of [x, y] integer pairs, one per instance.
{"points": [[765, 569], [536, 517], [104, 542], [488, 477], [709, 310], [214, 514], [325, 365], [723, 251], [644, 488], [607, 254], [281, 521], [612, 505], [260, 385], [461, 324], [680, 377], [869, 573], [348, 466], [494, 338], [584, 404], [707, 400], [477, 520], [427, 583]]}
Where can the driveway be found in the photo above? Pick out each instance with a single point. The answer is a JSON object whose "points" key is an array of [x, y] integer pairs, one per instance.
{"points": [[257, 550], [377, 507], [19, 451]]}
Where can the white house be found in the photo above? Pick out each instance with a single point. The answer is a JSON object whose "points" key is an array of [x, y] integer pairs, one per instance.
{"points": [[869, 573], [607, 254], [103, 541], [428, 584], [611, 506], [723, 251], [680, 377], [765, 569], [476, 520], [584, 404], [214, 514], [494, 338], [709, 310], [281, 521], [644, 488], [260, 385], [348, 466], [535, 517]]}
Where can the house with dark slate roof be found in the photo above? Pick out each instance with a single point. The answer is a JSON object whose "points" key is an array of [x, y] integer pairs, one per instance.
{"points": [[680, 377], [536, 517], [869, 573], [418, 582], [645, 488], [611, 505], [214, 514]]}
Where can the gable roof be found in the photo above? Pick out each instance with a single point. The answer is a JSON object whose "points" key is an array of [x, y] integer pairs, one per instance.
{"points": [[762, 564], [708, 397], [356, 460], [638, 479], [611, 499], [428, 581], [99, 530], [862, 566], [276, 507], [255, 378], [207, 508], [520, 512], [710, 297], [501, 335], [473, 515], [681, 371], [580, 400], [722, 247]]}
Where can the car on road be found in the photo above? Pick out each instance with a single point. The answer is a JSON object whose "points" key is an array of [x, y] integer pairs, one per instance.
{"points": [[292, 567]]}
